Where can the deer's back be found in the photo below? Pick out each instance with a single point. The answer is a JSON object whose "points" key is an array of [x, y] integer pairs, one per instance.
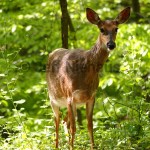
{"points": [[71, 73]]}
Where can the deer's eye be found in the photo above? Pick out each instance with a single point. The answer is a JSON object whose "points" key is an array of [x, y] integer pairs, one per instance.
{"points": [[116, 29], [102, 30]]}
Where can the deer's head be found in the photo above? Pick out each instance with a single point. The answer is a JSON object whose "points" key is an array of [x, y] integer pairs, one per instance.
{"points": [[108, 28]]}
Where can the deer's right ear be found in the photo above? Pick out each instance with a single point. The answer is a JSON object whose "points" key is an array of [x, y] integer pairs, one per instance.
{"points": [[92, 16]]}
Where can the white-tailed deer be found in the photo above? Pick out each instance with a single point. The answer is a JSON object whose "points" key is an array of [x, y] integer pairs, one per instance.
{"points": [[73, 75]]}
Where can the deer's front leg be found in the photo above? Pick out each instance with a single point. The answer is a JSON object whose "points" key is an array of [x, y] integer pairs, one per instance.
{"points": [[89, 115], [71, 116]]}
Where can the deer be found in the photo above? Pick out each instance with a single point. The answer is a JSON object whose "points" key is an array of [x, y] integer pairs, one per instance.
{"points": [[73, 75]]}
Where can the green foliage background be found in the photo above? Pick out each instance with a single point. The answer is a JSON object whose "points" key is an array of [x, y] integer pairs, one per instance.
{"points": [[29, 30]]}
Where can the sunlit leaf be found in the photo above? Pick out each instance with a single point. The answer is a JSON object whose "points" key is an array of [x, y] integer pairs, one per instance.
{"points": [[110, 81], [2, 75], [14, 27], [20, 101]]}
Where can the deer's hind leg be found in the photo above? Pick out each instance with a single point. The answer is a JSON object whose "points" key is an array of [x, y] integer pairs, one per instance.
{"points": [[55, 109]]}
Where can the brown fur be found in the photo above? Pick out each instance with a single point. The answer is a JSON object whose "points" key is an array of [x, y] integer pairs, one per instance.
{"points": [[67, 69]]}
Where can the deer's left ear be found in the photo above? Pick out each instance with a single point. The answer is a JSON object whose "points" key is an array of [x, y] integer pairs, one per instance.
{"points": [[92, 16], [123, 15]]}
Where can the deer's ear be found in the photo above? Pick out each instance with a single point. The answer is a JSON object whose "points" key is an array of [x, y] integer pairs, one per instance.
{"points": [[92, 16], [123, 15]]}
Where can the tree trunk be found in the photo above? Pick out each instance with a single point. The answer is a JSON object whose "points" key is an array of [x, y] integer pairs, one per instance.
{"points": [[64, 23], [136, 9]]}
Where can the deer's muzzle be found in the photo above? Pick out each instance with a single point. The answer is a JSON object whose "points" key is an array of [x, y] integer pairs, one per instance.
{"points": [[111, 45]]}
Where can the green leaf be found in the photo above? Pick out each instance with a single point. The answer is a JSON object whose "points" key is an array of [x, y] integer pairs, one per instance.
{"points": [[20, 101]]}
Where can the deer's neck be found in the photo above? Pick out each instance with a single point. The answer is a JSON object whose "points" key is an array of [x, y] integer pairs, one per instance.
{"points": [[99, 53]]}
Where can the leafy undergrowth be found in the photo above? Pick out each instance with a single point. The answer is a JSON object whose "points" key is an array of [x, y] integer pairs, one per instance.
{"points": [[122, 109]]}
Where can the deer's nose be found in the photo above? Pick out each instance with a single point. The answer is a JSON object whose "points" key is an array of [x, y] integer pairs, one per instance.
{"points": [[111, 45]]}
